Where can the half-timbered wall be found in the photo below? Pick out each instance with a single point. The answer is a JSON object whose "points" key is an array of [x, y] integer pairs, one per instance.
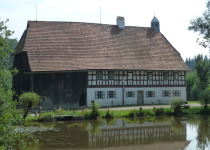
{"points": [[136, 78]]}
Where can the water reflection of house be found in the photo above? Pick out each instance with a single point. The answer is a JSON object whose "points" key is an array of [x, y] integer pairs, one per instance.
{"points": [[124, 133]]}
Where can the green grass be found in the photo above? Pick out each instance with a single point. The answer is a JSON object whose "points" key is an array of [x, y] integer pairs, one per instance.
{"points": [[193, 102], [121, 113]]}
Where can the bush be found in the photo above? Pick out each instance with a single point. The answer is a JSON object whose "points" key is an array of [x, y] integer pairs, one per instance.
{"points": [[60, 111], [158, 111], [135, 113], [108, 114], [175, 104], [94, 113], [29, 99]]}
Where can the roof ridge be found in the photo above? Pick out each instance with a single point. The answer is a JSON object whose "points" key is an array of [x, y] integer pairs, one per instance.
{"points": [[87, 23]]}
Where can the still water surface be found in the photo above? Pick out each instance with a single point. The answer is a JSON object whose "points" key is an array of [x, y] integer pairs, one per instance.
{"points": [[149, 133]]}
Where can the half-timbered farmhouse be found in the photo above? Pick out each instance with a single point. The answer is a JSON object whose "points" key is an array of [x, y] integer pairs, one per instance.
{"points": [[73, 63]]}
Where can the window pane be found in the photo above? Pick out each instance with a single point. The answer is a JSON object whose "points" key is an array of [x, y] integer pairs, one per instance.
{"points": [[175, 76], [149, 93], [165, 76], [130, 93], [99, 75], [149, 75], [111, 75]]}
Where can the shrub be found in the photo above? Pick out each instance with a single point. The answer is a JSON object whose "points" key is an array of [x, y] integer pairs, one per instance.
{"points": [[135, 113], [108, 114], [158, 111], [60, 111], [94, 113], [29, 99], [175, 104]]}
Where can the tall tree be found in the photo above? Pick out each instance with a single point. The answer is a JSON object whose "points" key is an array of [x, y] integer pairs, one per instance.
{"points": [[202, 69], [201, 25]]}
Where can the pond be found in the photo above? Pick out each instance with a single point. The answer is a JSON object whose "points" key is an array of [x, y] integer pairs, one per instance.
{"points": [[159, 133]]}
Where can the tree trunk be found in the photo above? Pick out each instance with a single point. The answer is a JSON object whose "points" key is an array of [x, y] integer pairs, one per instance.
{"points": [[25, 115], [206, 104]]}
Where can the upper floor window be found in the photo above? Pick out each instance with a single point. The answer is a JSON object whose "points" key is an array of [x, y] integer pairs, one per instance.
{"points": [[165, 75], [99, 75], [111, 75], [149, 75], [175, 75]]}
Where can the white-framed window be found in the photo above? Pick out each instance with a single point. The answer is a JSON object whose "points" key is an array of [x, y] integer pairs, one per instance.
{"points": [[130, 93], [177, 93], [111, 75], [99, 75], [52, 76], [166, 93], [150, 93], [99, 95], [165, 75], [149, 75], [111, 94], [130, 75], [68, 92], [175, 75]]}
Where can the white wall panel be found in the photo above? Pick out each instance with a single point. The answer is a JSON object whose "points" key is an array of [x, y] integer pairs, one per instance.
{"points": [[133, 100]]}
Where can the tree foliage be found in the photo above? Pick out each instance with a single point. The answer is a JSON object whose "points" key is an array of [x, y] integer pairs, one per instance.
{"points": [[192, 86], [29, 99], [9, 116], [202, 70], [202, 24], [205, 97]]}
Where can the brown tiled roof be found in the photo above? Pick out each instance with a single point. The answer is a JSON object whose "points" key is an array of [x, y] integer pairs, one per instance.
{"points": [[62, 46]]}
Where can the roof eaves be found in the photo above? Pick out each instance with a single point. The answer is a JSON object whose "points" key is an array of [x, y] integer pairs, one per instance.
{"points": [[17, 52]]}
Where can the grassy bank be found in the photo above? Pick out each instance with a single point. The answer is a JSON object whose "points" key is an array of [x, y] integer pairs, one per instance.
{"points": [[120, 113]]}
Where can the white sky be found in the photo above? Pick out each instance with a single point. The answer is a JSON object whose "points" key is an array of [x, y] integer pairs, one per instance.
{"points": [[174, 16]]}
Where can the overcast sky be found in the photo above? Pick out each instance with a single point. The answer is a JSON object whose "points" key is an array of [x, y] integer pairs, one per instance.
{"points": [[174, 16]]}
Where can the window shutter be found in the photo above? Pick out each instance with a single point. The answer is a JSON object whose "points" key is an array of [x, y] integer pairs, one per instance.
{"points": [[169, 93], [163, 93], [133, 93], [126, 93], [103, 94], [146, 93], [179, 93], [153, 93], [107, 94], [114, 94], [174, 93], [96, 97]]}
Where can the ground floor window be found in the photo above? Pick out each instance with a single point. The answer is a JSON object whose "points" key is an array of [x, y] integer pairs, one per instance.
{"points": [[177, 93], [166, 93], [111, 94], [130, 93], [99, 95], [150, 93]]}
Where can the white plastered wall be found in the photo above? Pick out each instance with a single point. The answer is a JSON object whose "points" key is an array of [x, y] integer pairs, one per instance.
{"points": [[133, 100]]}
